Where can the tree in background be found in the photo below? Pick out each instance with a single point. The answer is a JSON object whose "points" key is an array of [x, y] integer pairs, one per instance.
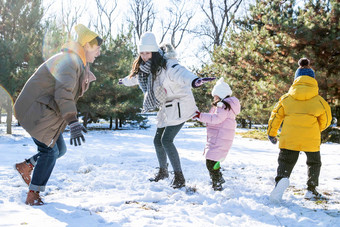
{"points": [[106, 18], [106, 98], [219, 15], [176, 25], [21, 35], [260, 57], [70, 14], [143, 20]]}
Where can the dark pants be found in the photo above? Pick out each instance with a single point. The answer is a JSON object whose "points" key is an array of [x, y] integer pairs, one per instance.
{"points": [[164, 145], [287, 160], [45, 161]]}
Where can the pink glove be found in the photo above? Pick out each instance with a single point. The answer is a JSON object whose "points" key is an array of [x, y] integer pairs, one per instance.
{"points": [[200, 81]]}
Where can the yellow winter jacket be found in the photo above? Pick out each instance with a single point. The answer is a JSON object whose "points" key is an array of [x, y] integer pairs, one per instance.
{"points": [[305, 114]]}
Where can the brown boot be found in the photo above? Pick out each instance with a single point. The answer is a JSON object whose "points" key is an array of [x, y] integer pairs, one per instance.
{"points": [[33, 199], [25, 170]]}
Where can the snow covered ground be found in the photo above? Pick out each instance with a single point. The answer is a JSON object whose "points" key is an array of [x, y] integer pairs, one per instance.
{"points": [[105, 183]]}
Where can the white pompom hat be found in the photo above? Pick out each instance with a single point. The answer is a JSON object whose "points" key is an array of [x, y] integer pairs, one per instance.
{"points": [[221, 89], [147, 43]]}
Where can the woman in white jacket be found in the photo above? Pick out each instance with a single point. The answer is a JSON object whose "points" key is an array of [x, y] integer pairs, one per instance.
{"points": [[167, 87]]}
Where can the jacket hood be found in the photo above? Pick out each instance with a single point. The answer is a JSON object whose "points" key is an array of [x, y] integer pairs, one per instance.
{"points": [[234, 104], [76, 48], [304, 88]]}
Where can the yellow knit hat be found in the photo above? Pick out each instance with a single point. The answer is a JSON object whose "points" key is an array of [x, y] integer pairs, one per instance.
{"points": [[85, 35]]}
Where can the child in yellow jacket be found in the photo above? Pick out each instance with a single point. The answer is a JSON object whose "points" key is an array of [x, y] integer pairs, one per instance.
{"points": [[305, 114]]}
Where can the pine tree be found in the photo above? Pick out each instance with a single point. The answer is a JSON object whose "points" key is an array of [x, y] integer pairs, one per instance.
{"points": [[261, 55], [20, 45], [106, 98]]}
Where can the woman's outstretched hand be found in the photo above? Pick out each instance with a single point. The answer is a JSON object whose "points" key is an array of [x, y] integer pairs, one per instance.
{"points": [[200, 81]]}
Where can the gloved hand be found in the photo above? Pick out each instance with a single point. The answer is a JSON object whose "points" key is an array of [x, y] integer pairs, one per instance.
{"points": [[120, 81], [200, 81], [76, 133], [272, 139], [197, 115]]}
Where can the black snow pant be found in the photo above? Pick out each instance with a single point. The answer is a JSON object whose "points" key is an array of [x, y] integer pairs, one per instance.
{"points": [[287, 160]]}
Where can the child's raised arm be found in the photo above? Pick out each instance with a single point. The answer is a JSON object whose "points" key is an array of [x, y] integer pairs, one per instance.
{"points": [[214, 118]]}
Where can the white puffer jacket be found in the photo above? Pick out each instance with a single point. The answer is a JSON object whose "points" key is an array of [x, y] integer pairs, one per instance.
{"points": [[180, 104]]}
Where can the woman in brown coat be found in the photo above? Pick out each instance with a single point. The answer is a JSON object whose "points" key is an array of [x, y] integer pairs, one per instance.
{"points": [[47, 104]]}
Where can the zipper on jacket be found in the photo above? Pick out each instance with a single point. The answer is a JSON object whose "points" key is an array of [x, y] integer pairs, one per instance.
{"points": [[179, 110]]}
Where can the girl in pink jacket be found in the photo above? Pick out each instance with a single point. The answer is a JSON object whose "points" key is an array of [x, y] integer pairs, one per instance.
{"points": [[221, 125]]}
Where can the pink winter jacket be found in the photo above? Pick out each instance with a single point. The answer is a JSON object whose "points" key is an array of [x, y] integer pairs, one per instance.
{"points": [[221, 125]]}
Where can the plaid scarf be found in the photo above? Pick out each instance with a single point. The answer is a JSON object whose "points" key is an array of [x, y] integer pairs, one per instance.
{"points": [[146, 82]]}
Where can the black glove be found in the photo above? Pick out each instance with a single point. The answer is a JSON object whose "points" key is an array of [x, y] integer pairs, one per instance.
{"points": [[76, 133], [272, 139]]}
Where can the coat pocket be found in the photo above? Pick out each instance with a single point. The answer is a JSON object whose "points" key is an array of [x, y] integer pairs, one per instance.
{"points": [[212, 135], [49, 112], [173, 110], [49, 102]]}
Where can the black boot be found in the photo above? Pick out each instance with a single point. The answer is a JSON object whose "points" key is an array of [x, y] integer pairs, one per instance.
{"points": [[215, 175], [312, 193], [162, 174], [178, 181], [217, 180]]}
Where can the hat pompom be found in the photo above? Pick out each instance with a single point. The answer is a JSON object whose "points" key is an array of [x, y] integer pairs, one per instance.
{"points": [[221, 89], [304, 62], [168, 50]]}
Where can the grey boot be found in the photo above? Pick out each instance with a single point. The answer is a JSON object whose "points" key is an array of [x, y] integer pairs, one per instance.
{"points": [[162, 174], [178, 181]]}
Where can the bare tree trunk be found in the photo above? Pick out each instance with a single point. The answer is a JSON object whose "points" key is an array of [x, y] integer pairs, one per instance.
{"points": [[177, 23], [70, 14], [219, 14], [243, 123], [116, 123], [105, 18], [9, 111], [85, 119], [111, 123], [143, 16]]}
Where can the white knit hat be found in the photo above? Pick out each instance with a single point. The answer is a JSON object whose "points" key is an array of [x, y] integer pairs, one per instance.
{"points": [[147, 43], [221, 89]]}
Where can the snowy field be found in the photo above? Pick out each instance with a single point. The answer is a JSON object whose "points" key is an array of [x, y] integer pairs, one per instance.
{"points": [[105, 183]]}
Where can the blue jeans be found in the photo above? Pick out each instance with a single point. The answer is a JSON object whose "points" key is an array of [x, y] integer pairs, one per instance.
{"points": [[44, 162], [164, 144]]}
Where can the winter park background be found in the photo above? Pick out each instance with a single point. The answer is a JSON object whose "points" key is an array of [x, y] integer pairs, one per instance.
{"points": [[105, 183]]}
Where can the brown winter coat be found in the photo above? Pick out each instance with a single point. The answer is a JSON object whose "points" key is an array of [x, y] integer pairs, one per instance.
{"points": [[47, 103]]}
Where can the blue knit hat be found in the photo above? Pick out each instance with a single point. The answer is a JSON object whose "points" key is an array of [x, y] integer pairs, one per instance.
{"points": [[304, 72], [304, 69]]}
